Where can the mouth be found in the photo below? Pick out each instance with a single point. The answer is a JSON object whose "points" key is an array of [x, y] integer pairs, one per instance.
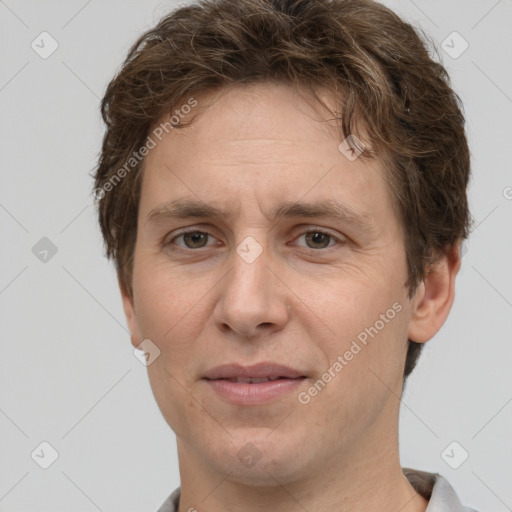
{"points": [[253, 380], [264, 370], [253, 385]]}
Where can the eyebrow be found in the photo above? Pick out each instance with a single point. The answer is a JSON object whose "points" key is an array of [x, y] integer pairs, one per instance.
{"points": [[329, 209]]}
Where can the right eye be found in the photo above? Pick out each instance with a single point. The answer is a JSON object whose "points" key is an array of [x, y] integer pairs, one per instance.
{"points": [[192, 239]]}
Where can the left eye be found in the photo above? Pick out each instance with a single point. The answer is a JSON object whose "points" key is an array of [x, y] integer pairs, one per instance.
{"points": [[318, 239]]}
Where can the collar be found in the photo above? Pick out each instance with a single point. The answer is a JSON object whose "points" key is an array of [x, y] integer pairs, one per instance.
{"points": [[432, 486]]}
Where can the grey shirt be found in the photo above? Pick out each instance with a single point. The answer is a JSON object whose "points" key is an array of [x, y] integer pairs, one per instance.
{"points": [[432, 486]]}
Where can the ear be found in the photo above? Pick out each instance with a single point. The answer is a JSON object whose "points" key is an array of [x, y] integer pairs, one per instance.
{"points": [[129, 311], [433, 299]]}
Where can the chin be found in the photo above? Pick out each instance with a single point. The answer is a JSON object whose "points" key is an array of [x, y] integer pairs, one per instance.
{"points": [[261, 460]]}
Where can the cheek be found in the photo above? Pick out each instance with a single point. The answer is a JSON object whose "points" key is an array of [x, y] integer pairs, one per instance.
{"points": [[363, 358], [363, 368], [168, 309], [174, 309], [175, 401], [354, 304]]}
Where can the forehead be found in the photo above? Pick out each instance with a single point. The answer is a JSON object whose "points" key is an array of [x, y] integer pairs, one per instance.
{"points": [[268, 142], [260, 114]]}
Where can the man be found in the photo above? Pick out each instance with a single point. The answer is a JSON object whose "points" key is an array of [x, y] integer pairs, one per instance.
{"points": [[282, 186]]}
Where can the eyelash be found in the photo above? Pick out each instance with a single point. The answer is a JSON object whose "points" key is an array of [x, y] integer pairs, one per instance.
{"points": [[332, 238]]}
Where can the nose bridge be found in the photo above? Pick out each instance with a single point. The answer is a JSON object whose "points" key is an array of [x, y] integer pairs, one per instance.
{"points": [[250, 249], [249, 262], [250, 296]]}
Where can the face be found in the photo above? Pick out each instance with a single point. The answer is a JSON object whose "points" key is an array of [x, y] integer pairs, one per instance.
{"points": [[293, 269]]}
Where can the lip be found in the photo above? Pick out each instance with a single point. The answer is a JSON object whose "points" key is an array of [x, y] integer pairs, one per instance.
{"points": [[260, 370], [285, 381]]}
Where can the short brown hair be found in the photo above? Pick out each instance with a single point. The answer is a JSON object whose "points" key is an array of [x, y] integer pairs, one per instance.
{"points": [[377, 65]]}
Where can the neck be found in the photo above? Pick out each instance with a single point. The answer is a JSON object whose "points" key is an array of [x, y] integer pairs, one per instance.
{"points": [[365, 477]]}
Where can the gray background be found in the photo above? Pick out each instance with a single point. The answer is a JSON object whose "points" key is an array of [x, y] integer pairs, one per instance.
{"points": [[68, 375]]}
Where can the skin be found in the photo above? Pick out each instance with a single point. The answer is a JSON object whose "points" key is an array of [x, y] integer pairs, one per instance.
{"points": [[301, 303]]}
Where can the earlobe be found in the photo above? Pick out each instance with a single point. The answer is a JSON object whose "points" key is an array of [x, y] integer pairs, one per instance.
{"points": [[434, 297], [130, 314]]}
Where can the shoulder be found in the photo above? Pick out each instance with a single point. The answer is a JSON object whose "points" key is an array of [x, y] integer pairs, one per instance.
{"points": [[435, 488], [171, 503]]}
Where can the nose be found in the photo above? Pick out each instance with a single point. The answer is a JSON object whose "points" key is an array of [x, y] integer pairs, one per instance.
{"points": [[253, 301]]}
